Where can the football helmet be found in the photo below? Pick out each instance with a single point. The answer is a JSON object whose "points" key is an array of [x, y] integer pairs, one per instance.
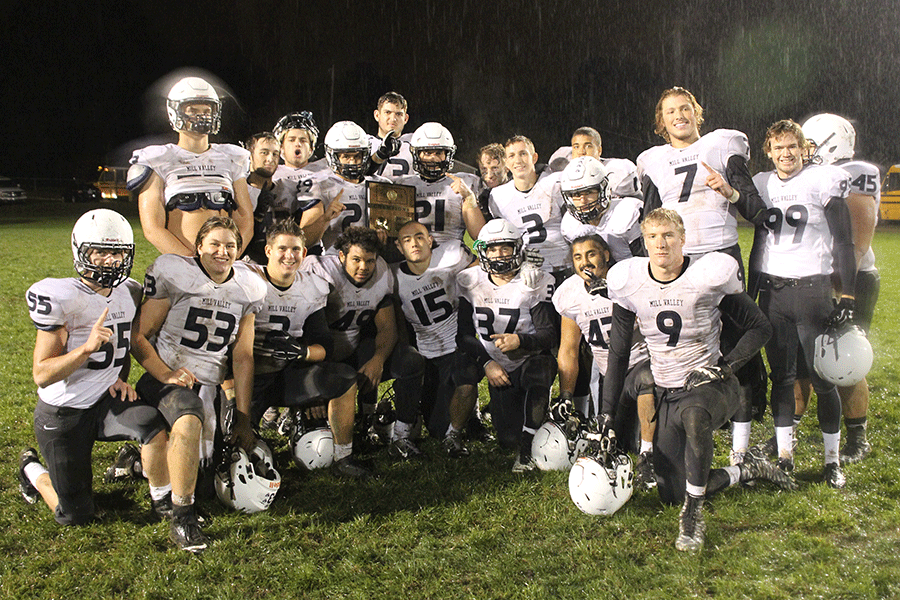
{"points": [[585, 174], [500, 231], [602, 480], [297, 120], [247, 481], [312, 446], [555, 447], [843, 356], [193, 90], [832, 138], [347, 136], [103, 229], [432, 136]]}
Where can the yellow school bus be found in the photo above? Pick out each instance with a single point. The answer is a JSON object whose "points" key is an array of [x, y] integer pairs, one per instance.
{"points": [[111, 183], [890, 195]]}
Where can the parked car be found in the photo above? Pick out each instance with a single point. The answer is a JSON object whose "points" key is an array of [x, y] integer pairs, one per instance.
{"points": [[11, 192], [80, 191]]}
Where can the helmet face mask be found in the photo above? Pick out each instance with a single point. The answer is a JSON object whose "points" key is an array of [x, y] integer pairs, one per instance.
{"points": [[190, 92], [434, 137], [247, 481], [581, 176], [297, 120], [497, 233], [844, 356], [347, 137], [105, 230], [831, 138]]}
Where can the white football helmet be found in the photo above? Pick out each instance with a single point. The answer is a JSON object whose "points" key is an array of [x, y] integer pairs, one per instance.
{"points": [[313, 448], [500, 231], [432, 136], [554, 450], [831, 138], [247, 482], [347, 136], [601, 481], [193, 90], [297, 120], [585, 174], [844, 356], [103, 229]]}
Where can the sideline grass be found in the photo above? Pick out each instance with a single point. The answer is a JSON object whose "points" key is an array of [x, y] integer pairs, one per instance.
{"points": [[441, 528]]}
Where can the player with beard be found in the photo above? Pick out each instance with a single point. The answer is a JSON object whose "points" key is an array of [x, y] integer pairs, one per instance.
{"points": [[264, 152], [360, 299]]}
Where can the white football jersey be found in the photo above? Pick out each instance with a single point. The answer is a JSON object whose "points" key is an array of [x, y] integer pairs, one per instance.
{"points": [[623, 178], [290, 183], [396, 166], [203, 316], [798, 240], [618, 226], [680, 320], [429, 301], [865, 178], [537, 213], [71, 304], [710, 221], [503, 309], [350, 307], [285, 310], [438, 207]]}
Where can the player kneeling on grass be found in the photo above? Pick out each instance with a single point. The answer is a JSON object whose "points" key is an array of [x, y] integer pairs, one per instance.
{"points": [[678, 303], [292, 342], [81, 366], [513, 322]]}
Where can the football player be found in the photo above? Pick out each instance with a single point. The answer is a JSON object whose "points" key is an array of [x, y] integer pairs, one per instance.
{"points": [[264, 149], [586, 141], [583, 302], [491, 163], [444, 202], [426, 290], [532, 202], [705, 179], [81, 366], [677, 302], [507, 326], [197, 310], [292, 344], [390, 148], [180, 186], [807, 230], [360, 298], [297, 135]]}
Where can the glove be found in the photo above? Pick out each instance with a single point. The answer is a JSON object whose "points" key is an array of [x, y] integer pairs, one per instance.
{"points": [[533, 256], [561, 407], [842, 313], [531, 275], [605, 426], [390, 146], [286, 347], [704, 375], [596, 285]]}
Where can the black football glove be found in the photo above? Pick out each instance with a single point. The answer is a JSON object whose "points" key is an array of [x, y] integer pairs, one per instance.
{"points": [[284, 346], [595, 285], [533, 255], [561, 407], [842, 313], [390, 146], [703, 375]]}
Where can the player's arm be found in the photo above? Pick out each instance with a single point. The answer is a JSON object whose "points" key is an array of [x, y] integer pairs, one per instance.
{"points": [[748, 202], [401, 324], [242, 367], [152, 316], [749, 319], [51, 363], [243, 216], [837, 215], [472, 215], [652, 199], [152, 210], [567, 358], [385, 340], [318, 337], [619, 353], [863, 217], [543, 317]]}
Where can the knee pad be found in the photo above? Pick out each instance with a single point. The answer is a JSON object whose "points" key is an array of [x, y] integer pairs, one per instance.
{"points": [[180, 401]]}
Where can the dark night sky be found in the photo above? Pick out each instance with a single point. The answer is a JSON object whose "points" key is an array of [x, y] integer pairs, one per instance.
{"points": [[84, 81]]}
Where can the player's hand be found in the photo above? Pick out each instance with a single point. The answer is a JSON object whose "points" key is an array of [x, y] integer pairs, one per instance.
{"points": [[561, 407], [605, 426], [531, 275], [181, 377], [335, 208], [506, 342], [319, 411], [842, 313], [242, 434], [99, 334], [382, 234], [459, 186], [703, 375], [370, 375], [533, 256], [390, 146], [715, 181], [123, 391], [285, 346], [496, 375]]}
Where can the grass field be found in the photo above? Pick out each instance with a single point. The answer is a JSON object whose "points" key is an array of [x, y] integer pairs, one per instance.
{"points": [[441, 528]]}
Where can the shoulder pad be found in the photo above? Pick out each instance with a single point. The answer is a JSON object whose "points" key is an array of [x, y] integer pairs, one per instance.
{"points": [[138, 175], [468, 278], [232, 150], [151, 155], [48, 301], [559, 295], [731, 141], [623, 214], [627, 275], [715, 270]]}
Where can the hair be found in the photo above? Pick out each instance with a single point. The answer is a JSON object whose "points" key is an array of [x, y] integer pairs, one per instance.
{"points": [[363, 237], [218, 223], [494, 151], [676, 91], [591, 133], [250, 144], [661, 216], [780, 128], [595, 238], [519, 138], [393, 98], [285, 227]]}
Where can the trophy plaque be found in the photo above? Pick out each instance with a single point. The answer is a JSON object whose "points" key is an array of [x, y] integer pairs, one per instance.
{"points": [[390, 206]]}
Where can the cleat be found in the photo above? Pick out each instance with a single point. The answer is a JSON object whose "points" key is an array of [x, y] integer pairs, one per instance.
{"points": [[453, 445], [29, 492], [162, 508], [404, 448], [286, 423], [352, 468], [736, 458], [270, 419], [755, 467], [857, 447], [185, 532], [477, 430], [643, 471], [126, 467], [691, 528], [524, 464], [786, 465], [834, 476]]}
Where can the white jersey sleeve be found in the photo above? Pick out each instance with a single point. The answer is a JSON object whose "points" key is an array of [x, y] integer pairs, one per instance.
{"points": [[865, 179]]}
